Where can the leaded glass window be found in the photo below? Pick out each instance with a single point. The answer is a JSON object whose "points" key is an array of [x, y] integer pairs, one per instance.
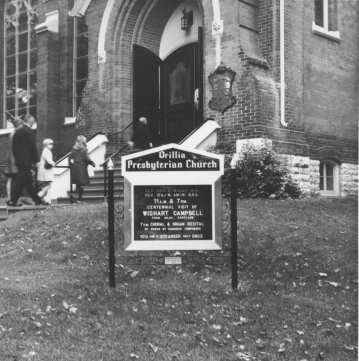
{"points": [[80, 61], [20, 57]]}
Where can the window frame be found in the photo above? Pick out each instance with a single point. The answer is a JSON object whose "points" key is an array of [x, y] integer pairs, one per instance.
{"points": [[324, 30], [76, 95], [335, 192], [21, 8]]}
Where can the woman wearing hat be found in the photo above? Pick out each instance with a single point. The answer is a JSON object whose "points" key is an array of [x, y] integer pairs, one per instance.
{"points": [[45, 173]]}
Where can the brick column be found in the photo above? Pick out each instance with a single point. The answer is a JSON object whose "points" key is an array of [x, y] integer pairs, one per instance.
{"points": [[49, 114]]}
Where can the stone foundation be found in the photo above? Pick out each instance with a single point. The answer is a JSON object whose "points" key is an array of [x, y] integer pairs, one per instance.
{"points": [[303, 170], [349, 179]]}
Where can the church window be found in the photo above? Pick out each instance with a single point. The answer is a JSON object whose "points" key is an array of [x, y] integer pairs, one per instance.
{"points": [[80, 62], [20, 57]]}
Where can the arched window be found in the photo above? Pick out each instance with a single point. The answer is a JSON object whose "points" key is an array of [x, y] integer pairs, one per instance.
{"points": [[20, 57], [329, 178]]}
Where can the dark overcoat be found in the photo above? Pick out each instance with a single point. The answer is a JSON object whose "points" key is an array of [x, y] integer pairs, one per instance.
{"points": [[79, 160], [143, 136], [24, 148], [10, 169]]}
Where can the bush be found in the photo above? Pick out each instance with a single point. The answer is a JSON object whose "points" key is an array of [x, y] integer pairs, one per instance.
{"points": [[259, 174]]}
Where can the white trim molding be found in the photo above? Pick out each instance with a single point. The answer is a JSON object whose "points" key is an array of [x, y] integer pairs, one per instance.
{"points": [[217, 30], [80, 8], [318, 30], [325, 30], [283, 122], [101, 51], [51, 23]]}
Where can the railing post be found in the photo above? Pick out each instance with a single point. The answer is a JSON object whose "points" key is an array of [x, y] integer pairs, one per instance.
{"points": [[111, 229], [71, 190], [105, 179]]}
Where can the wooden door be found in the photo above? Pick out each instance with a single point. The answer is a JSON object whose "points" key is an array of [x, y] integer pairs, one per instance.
{"points": [[146, 90], [178, 91]]}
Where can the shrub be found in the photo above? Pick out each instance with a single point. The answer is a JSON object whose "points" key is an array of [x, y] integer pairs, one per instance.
{"points": [[259, 174]]}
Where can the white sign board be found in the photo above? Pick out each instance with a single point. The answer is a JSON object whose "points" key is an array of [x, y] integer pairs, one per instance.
{"points": [[172, 199]]}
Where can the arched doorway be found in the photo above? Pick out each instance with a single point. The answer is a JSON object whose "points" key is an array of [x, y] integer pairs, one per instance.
{"points": [[167, 88]]}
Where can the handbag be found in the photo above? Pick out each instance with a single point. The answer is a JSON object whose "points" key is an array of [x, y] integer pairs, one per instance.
{"points": [[47, 165]]}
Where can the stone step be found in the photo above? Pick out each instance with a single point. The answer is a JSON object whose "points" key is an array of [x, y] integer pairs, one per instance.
{"points": [[100, 178], [117, 172], [90, 198], [99, 192], [99, 182], [3, 213], [26, 208], [100, 187]]}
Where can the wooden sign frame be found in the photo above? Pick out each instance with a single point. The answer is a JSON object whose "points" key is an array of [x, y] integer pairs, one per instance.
{"points": [[145, 169]]}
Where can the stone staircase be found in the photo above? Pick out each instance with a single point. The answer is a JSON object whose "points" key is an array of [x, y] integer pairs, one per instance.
{"points": [[94, 192]]}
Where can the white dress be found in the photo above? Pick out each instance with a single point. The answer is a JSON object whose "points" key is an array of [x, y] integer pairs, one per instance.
{"points": [[45, 175]]}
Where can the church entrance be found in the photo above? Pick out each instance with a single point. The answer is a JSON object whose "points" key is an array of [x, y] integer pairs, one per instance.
{"points": [[168, 92]]}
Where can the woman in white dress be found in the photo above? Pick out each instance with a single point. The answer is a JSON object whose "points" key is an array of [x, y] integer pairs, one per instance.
{"points": [[45, 173]]}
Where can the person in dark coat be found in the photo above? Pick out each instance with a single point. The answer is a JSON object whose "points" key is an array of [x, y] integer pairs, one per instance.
{"points": [[79, 160], [10, 170], [142, 138], [26, 157]]}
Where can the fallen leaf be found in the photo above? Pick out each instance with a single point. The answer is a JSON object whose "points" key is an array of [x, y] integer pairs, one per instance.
{"points": [[217, 327], [260, 343], [347, 325], [281, 348], [153, 347], [243, 356]]}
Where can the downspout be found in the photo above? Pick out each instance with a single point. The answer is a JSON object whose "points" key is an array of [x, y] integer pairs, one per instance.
{"points": [[217, 30], [282, 64]]}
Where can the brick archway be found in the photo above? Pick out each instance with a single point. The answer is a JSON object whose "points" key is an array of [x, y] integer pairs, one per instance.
{"points": [[142, 23]]}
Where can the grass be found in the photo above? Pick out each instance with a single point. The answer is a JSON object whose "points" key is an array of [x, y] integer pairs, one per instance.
{"points": [[297, 295]]}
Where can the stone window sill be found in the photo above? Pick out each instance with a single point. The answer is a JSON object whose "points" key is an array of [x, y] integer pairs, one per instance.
{"points": [[69, 121], [329, 194], [332, 35]]}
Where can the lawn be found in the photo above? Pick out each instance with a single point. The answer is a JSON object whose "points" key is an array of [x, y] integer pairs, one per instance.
{"points": [[297, 295]]}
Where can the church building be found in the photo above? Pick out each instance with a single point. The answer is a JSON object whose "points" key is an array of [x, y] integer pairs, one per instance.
{"points": [[279, 73]]}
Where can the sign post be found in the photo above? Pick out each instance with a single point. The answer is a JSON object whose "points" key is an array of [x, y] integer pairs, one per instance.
{"points": [[234, 244], [172, 199]]}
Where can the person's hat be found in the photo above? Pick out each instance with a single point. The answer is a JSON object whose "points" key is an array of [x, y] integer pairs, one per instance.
{"points": [[47, 142]]}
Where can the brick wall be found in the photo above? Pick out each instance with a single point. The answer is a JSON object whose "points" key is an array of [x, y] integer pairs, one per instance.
{"points": [[54, 70], [322, 79], [321, 74]]}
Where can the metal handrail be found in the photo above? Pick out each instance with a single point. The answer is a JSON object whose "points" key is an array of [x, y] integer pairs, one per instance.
{"points": [[122, 130], [94, 135], [112, 155], [68, 153]]}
